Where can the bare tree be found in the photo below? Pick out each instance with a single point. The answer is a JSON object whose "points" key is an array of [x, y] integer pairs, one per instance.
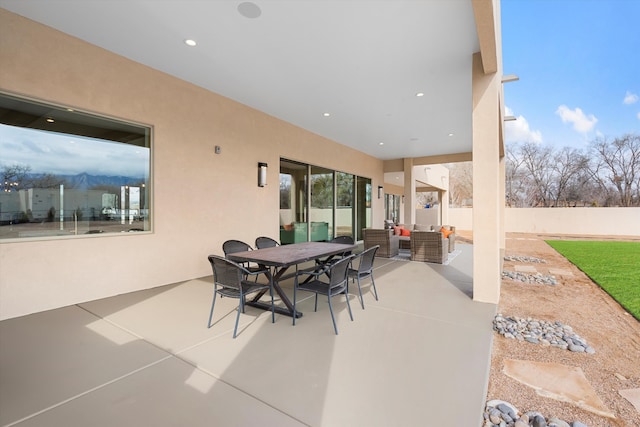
{"points": [[616, 165], [460, 183], [14, 177], [536, 160], [515, 177], [606, 175], [567, 165]]}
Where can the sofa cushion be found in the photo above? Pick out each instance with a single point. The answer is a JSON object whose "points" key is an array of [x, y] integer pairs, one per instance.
{"points": [[397, 228], [422, 227]]}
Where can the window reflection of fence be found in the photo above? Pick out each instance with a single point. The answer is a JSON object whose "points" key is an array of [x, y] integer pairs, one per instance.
{"points": [[37, 212]]}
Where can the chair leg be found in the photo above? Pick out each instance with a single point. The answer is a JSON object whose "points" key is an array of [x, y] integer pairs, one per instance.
{"points": [[373, 283], [333, 319], [346, 295], [213, 303], [316, 308], [235, 329], [360, 291]]}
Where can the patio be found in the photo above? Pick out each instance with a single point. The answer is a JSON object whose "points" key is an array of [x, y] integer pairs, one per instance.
{"points": [[419, 356]]}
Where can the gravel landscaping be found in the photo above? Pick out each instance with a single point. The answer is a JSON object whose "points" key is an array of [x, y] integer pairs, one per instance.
{"points": [[547, 334], [571, 309]]}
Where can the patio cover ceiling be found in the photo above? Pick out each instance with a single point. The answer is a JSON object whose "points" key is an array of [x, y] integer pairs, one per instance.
{"points": [[362, 62]]}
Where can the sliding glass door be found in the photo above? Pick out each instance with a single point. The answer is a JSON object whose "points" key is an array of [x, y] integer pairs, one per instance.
{"points": [[317, 204], [345, 189], [322, 202], [363, 205]]}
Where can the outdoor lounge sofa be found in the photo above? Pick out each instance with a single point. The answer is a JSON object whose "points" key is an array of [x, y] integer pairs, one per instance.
{"points": [[429, 246], [405, 241], [388, 241]]}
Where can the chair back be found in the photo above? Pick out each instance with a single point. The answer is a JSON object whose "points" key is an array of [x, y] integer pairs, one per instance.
{"points": [[233, 246], [338, 272], [226, 273], [366, 259], [266, 242], [345, 240]]}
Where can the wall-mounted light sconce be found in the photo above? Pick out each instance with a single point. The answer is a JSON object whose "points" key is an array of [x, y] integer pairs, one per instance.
{"points": [[262, 174], [380, 191], [403, 199]]}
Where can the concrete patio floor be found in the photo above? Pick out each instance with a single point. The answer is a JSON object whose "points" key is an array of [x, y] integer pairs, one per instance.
{"points": [[418, 356]]}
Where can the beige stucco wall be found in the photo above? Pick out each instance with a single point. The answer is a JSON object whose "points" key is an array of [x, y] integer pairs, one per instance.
{"points": [[200, 199], [580, 221]]}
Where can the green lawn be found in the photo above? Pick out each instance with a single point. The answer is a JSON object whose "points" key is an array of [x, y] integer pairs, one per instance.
{"points": [[615, 266]]}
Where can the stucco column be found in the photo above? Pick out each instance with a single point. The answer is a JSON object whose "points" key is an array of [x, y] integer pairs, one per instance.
{"points": [[502, 193], [443, 195], [409, 194], [486, 184]]}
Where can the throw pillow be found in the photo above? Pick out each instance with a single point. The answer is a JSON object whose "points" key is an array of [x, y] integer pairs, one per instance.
{"points": [[404, 232], [397, 228], [445, 232]]}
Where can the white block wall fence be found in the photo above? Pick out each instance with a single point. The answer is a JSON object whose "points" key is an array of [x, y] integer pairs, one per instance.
{"points": [[580, 221]]}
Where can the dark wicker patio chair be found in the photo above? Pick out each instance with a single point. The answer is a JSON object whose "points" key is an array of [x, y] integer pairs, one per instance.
{"points": [[233, 246], [229, 281], [338, 283], [266, 242], [344, 240], [364, 270]]}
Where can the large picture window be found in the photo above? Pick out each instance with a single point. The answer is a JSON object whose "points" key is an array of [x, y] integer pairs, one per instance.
{"points": [[69, 173]]}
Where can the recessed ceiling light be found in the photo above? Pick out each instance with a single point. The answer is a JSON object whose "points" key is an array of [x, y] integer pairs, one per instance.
{"points": [[450, 134], [420, 94], [50, 120], [326, 114], [381, 143], [190, 42]]}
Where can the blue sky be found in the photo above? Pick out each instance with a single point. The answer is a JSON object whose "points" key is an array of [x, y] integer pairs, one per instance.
{"points": [[579, 68]]}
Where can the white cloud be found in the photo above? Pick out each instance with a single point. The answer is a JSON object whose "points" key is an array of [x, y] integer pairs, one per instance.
{"points": [[581, 122], [630, 98], [519, 131], [49, 152], [638, 116]]}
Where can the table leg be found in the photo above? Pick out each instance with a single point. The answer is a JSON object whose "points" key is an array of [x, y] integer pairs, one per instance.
{"points": [[287, 310]]}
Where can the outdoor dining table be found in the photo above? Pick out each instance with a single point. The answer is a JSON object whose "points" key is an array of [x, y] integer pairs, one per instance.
{"points": [[281, 258]]}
